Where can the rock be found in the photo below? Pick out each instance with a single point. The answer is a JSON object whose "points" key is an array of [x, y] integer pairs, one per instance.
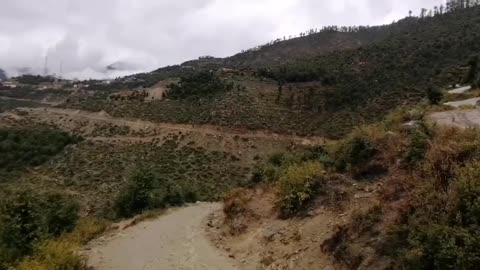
{"points": [[269, 233], [231, 255], [267, 260], [411, 125]]}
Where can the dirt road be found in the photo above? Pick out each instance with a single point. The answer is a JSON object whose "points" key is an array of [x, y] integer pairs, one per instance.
{"points": [[174, 241], [457, 118], [460, 90], [41, 102], [136, 124], [467, 102]]}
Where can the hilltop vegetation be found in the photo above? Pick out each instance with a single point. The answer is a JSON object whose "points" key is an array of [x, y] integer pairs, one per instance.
{"points": [[198, 85], [328, 94], [369, 81]]}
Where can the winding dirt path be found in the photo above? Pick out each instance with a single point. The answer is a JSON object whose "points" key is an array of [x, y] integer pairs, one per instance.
{"points": [[175, 241], [45, 113], [457, 118]]}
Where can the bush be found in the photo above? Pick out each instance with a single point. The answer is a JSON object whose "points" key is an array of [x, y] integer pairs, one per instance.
{"points": [[55, 255], [146, 190], [354, 154], [434, 95], [297, 186], [419, 144], [30, 147], [450, 149], [27, 218], [440, 228], [62, 254], [197, 85], [137, 194]]}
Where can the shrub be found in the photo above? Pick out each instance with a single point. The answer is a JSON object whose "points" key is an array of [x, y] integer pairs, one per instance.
{"points": [[27, 218], [449, 149], [147, 190], [62, 253], [30, 147], [365, 220], [297, 185], [440, 229], [55, 255], [235, 207], [434, 95], [354, 154], [136, 196], [198, 84], [419, 144], [466, 195], [235, 202]]}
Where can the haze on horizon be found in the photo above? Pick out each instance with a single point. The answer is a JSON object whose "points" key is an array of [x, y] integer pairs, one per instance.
{"points": [[85, 36]]}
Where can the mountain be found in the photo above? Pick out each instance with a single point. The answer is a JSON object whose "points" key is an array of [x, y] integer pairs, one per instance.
{"points": [[328, 94]]}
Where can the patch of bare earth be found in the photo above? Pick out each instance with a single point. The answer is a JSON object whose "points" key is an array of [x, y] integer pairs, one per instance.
{"points": [[457, 118], [258, 239], [175, 240]]}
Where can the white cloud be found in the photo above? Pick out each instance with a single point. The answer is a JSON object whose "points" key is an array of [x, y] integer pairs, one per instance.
{"points": [[87, 35]]}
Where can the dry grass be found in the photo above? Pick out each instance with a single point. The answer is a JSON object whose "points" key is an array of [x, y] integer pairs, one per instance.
{"points": [[235, 208]]}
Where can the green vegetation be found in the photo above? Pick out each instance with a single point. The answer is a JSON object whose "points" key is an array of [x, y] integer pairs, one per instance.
{"points": [[22, 148], [30, 93], [198, 85], [434, 95], [297, 186], [7, 105], [355, 153], [28, 218], [62, 253], [174, 163], [34, 79], [146, 190], [428, 217], [441, 231]]}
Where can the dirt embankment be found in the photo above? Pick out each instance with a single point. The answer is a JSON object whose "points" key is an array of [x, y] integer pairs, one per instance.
{"points": [[176, 240], [258, 239]]}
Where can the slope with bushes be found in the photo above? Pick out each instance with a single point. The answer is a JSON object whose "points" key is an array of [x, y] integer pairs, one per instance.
{"points": [[23, 148], [331, 93], [413, 204]]}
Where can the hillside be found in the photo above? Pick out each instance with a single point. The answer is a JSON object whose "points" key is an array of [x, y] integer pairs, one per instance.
{"points": [[334, 150], [325, 95]]}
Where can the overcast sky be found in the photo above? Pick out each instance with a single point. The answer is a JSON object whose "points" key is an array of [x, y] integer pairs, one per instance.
{"points": [[88, 35]]}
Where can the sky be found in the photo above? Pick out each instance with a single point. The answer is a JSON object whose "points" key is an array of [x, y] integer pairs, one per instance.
{"points": [[82, 37]]}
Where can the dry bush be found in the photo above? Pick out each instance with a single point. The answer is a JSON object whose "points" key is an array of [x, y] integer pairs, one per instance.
{"points": [[451, 148], [363, 221], [235, 208], [62, 253]]}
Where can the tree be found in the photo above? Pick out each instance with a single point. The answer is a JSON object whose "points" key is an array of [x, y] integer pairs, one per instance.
{"points": [[472, 71], [423, 13], [434, 95]]}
